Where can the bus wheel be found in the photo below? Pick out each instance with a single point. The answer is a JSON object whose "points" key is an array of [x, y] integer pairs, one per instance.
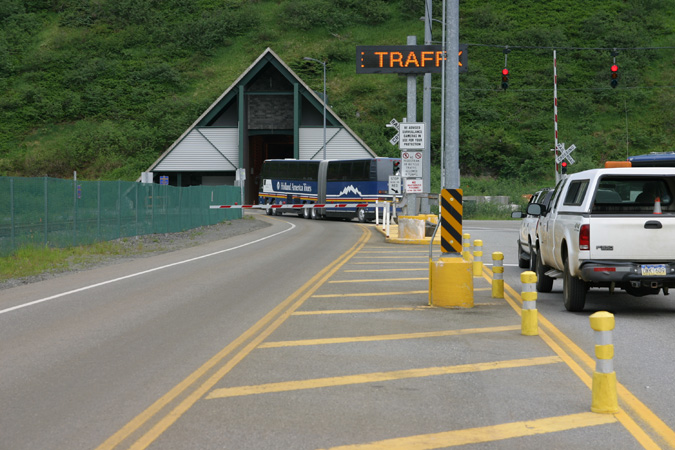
{"points": [[315, 214], [307, 213], [361, 215], [268, 211]]}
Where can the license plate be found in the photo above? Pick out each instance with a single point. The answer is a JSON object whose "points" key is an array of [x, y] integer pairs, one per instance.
{"points": [[653, 270]]}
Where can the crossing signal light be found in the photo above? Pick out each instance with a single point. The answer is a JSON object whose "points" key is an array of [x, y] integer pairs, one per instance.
{"points": [[397, 165], [563, 167], [615, 75], [505, 78]]}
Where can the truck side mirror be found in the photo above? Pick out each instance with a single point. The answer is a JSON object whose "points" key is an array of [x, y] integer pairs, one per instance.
{"points": [[534, 209]]}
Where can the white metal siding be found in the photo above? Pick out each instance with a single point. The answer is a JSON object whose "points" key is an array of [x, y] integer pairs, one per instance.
{"points": [[196, 151], [341, 145]]}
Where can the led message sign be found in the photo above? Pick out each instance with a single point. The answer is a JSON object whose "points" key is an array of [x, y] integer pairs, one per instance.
{"points": [[409, 59]]}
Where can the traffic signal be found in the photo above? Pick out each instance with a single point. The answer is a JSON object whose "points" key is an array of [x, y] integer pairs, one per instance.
{"points": [[563, 167], [615, 75], [397, 165], [505, 78]]}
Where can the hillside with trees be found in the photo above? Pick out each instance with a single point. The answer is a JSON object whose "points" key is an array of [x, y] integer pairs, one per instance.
{"points": [[104, 87]]}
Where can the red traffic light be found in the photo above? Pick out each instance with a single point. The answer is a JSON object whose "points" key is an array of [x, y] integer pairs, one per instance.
{"points": [[563, 167], [505, 71], [614, 68]]}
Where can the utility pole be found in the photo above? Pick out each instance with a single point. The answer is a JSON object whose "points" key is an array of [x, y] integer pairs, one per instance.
{"points": [[411, 113]]}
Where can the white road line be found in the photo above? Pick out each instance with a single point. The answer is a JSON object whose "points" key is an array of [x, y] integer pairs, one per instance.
{"points": [[103, 283]]}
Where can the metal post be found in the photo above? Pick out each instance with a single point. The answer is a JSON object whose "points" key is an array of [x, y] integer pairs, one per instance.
{"points": [[451, 94], [411, 113], [426, 116]]}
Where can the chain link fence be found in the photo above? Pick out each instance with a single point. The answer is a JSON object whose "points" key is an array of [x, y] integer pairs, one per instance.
{"points": [[61, 213]]}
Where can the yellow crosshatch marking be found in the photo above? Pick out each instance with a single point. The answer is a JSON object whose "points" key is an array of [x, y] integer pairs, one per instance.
{"points": [[388, 337], [487, 434], [378, 376], [380, 279]]}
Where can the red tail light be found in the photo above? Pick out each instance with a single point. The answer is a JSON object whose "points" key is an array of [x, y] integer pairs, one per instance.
{"points": [[585, 237]]}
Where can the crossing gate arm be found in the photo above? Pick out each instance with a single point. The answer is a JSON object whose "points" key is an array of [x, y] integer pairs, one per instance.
{"points": [[295, 206]]}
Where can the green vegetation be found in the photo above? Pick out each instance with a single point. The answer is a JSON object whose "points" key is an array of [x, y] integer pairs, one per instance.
{"points": [[33, 260], [105, 87]]}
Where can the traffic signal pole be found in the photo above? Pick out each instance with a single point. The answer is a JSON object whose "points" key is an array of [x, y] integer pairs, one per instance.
{"points": [[451, 95]]}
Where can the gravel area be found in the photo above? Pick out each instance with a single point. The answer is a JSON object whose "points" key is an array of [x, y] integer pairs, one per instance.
{"points": [[148, 245]]}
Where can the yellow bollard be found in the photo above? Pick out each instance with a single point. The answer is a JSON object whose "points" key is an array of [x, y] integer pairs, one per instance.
{"points": [[478, 258], [605, 399], [529, 316], [497, 275], [466, 244]]}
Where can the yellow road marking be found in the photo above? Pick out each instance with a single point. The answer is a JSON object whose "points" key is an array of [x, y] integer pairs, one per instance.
{"points": [[384, 270], [379, 279], [387, 337], [369, 294], [639, 409], [283, 311], [378, 377], [389, 262], [359, 311], [486, 434]]}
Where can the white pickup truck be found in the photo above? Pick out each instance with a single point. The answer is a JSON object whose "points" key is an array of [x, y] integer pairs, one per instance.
{"points": [[612, 228]]}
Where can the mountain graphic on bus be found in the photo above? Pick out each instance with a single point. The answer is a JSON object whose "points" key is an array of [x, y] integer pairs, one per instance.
{"points": [[350, 190]]}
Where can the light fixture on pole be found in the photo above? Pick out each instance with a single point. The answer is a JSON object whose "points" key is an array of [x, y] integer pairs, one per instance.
{"points": [[323, 63]]}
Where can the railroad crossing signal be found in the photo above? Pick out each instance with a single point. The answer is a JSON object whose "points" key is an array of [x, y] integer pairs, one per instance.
{"points": [[564, 153], [393, 123]]}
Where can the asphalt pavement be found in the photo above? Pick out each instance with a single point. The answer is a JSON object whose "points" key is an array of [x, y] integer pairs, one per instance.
{"points": [[360, 360]]}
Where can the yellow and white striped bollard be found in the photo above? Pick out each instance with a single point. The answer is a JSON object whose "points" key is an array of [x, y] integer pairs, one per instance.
{"points": [[497, 275], [478, 258], [605, 399], [466, 245], [529, 315]]}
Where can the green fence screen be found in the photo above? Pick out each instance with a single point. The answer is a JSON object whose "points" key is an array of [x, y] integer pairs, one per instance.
{"points": [[61, 213]]}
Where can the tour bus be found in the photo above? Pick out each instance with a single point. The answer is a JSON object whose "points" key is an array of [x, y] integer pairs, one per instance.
{"points": [[345, 182]]}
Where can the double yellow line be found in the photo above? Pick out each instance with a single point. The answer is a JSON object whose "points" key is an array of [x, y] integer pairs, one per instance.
{"points": [[162, 413]]}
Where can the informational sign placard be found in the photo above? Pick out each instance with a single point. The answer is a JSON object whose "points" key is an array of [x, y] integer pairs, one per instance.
{"points": [[412, 135], [411, 164], [394, 185], [413, 186]]}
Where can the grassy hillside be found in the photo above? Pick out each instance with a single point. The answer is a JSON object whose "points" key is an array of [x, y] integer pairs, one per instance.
{"points": [[104, 87]]}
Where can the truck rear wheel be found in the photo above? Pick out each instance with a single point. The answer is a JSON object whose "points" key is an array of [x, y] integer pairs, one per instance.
{"points": [[544, 283], [574, 291]]}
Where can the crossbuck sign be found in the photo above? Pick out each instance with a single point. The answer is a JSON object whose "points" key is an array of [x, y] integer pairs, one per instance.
{"points": [[564, 153]]}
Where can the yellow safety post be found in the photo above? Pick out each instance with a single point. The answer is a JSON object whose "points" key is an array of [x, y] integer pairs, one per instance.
{"points": [[497, 275], [604, 378], [529, 316], [466, 244], [478, 258]]}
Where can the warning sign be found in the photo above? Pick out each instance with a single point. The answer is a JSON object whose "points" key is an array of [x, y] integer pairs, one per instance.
{"points": [[412, 135], [411, 166], [413, 186]]}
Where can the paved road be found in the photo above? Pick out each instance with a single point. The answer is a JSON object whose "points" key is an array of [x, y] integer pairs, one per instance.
{"points": [[218, 347]]}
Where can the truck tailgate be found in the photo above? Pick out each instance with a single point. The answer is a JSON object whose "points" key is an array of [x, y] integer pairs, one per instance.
{"points": [[638, 238]]}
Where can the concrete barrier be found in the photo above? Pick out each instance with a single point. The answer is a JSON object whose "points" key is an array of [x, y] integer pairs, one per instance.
{"points": [[451, 283]]}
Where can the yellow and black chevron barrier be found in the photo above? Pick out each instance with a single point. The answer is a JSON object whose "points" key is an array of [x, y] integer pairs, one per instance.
{"points": [[451, 221], [451, 277]]}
